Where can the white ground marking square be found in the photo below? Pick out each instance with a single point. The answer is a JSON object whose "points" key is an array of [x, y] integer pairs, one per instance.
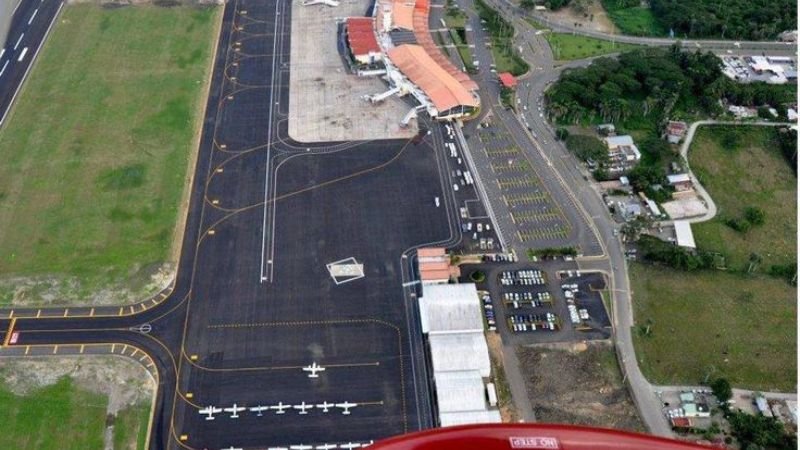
{"points": [[345, 270]]}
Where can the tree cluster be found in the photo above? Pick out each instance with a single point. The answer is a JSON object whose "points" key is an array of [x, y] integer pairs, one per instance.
{"points": [[647, 84], [654, 249], [759, 432], [587, 148], [726, 19]]}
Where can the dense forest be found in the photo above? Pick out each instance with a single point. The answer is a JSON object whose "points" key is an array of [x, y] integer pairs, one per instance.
{"points": [[727, 19], [651, 84]]}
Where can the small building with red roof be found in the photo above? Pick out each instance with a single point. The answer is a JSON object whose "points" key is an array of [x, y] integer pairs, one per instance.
{"points": [[507, 80], [361, 40]]}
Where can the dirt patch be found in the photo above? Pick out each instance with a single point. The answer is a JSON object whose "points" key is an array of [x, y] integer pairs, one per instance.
{"points": [[578, 384], [595, 19], [59, 290], [505, 404], [125, 382]]}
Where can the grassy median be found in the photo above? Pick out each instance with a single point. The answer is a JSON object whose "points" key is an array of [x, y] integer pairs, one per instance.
{"points": [[570, 46], [95, 153]]}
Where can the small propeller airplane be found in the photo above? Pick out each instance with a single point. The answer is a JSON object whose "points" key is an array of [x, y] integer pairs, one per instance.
{"points": [[324, 406], [313, 369], [209, 412], [346, 407], [303, 407], [232, 448], [234, 410], [350, 445], [279, 408], [301, 447], [259, 409], [326, 447]]}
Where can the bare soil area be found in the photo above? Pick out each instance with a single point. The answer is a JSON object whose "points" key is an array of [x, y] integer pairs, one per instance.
{"points": [[596, 18], [578, 384], [125, 382]]}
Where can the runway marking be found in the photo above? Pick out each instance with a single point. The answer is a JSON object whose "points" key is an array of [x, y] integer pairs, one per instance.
{"points": [[3, 69], [270, 368], [33, 16], [19, 40], [22, 54]]}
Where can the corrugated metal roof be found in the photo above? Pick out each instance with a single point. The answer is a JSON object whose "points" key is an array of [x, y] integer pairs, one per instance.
{"points": [[440, 86], [469, 417], [616, 141], [450, 308], [683, 234], [460, 351], [459, 391]]}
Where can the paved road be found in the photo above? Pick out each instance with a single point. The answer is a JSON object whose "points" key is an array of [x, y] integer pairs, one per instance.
{"points": [[30, 26], [714, 45]]}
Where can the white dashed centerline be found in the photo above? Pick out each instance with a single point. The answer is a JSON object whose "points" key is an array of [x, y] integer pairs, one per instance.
{"points": [[19, 40], [33, 16], [3, 69], [22, 54]]}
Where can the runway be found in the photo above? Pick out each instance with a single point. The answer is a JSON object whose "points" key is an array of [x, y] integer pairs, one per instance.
{"points": [[30, 26], [293, 254]]}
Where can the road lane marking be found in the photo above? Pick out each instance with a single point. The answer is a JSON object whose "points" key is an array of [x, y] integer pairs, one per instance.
{"points": [[2, 52], [36, 11], [3, 69], [22, 54], [19, 40]]}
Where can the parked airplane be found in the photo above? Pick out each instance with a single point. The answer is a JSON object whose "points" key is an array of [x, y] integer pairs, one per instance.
{"points": [[326, 447], [259, 409], [313, 368], [350, 445], [232, 448], [325, 405], [277, 448], [346, 406], [303, 407], [301, 447], [209, 411], [320, 2], [234, 410], [279, 408]]}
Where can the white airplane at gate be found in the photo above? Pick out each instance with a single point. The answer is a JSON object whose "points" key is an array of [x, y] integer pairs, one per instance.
{"points": [[303, 407], [279, 408], [321, 2], [259, 409], [346, 406], [326, 447], [234, 410], [313, 369], [324, 406], [209, 412]]}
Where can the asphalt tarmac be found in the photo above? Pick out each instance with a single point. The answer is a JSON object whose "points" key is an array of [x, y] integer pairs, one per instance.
{"points": [[257, 295], [29, 29]]}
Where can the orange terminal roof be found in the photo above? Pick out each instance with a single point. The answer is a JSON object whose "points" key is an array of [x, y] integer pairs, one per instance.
{"points": [[441, 87], [403, 14]]}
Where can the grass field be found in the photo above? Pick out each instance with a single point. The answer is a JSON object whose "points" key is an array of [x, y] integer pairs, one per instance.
{"points": [[95, 154], [64, 417], [751, 172], [637, 21], [569, 47], [714, 323]]}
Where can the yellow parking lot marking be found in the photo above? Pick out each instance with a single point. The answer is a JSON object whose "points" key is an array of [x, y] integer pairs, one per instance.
{"points": [[211, 232], [11, 314], [142, 358], [91, 312], [124, 349], [81, 350], [27, 349], [189, 395], [55, 349], [143, 306], [38, 313], [120, 310], [131, 307], [66, 312], [184, 437], [113, 347], [135, 351]]}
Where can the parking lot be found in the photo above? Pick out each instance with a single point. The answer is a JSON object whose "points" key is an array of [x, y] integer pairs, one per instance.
{"points": [[477, 229], [539, 221], [543, 303]]}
